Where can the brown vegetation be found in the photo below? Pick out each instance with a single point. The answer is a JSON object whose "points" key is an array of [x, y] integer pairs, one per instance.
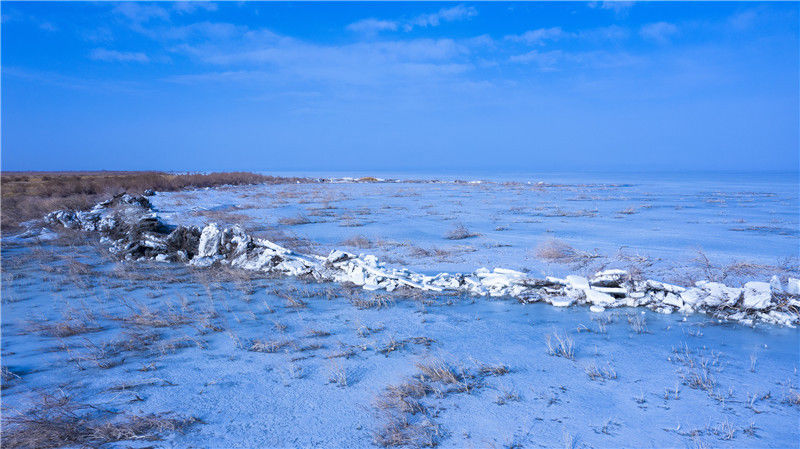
{"points": [[30, 195], [558, 251], [57, 421]]}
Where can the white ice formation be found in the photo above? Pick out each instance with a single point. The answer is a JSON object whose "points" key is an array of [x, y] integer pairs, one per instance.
{"points": [[134, 232]]}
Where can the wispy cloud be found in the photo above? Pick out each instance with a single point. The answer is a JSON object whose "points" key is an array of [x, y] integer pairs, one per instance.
{"points": [[141, 12], [620, 8], [459, 12], [538, 36], [546, 61], [193, 6], [47, 26], [542, 36], [145, 12], [362, 63], [607, 33], [102, 54], [373, 25], [660, 32]]}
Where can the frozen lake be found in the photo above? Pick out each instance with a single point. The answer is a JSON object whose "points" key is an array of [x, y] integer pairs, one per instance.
{"points": [[658, 223]]}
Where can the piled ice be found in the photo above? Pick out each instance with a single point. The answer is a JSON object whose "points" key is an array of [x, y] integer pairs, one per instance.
{"points": [[134, 232]]}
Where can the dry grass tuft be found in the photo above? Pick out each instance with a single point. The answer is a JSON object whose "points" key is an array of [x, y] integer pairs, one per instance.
{"points": [[638, 323], [600, 373], [560, 345], [109, 354], [372, 302], [558, 251], [437, 370], [792, 397], [400, 431], [145, 317], [359, 241], [295, 303], [460, 232], [57, 421], [318, 333], [63, 329], [338, 376], [297, 220], [270, 346], [406, 421], [499, 369], [392, 345], [507, 395], [699, 378]]}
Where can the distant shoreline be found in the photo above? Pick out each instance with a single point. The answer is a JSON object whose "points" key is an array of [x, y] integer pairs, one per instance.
{"points": [[30, 195]]}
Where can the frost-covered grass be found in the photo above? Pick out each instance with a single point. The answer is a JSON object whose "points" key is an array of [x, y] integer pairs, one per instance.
{"points": [[560, 345], [208, 346], [56, 420]]}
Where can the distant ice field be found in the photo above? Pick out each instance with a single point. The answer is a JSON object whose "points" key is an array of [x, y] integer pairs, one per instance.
{"points": [[661, 222]]}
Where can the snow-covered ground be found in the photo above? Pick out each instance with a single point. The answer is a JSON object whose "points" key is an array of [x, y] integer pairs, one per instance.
{"points": [[267, 361], [660, 226]]}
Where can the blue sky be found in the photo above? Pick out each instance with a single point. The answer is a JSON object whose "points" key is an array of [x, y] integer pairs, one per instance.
{"points": [[400, 86]]}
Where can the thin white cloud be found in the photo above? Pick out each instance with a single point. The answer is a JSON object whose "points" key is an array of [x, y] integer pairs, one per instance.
{"points": [[283, 59], [546, 60], [562, 60], [538, 36], [372, 25], [193, 6], [47, 26], [743, 20], [542, 36], [102, 54], [620, 8], [659, 31], [609, 33], [141, 12], [459, 12], [197, 30]]}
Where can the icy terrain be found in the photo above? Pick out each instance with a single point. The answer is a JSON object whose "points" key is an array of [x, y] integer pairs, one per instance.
{"points": [[654, 224], [272, 361]]}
